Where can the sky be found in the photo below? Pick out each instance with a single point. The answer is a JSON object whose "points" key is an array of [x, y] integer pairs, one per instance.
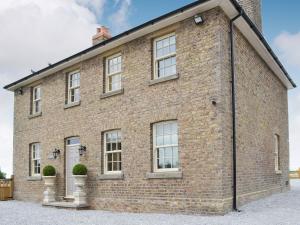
{"points": [[37, 32]]}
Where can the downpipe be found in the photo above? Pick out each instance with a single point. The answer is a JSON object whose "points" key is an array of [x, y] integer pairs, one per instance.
{"points": [[233, 100]]}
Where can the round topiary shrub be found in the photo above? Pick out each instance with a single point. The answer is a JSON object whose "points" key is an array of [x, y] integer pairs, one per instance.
{"points": [[79, 169], [49, 171]]}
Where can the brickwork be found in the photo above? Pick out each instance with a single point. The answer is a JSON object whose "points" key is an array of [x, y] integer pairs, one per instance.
{"points": [[204, 128]]}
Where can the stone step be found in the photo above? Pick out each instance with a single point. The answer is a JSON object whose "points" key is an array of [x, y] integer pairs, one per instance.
{"points": [[66, 205]]}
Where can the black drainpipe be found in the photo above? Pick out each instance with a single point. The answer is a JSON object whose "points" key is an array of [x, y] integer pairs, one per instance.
{"points": [[234, 200]]}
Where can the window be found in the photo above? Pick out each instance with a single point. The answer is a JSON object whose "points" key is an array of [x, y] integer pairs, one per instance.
{"points": [[73, 141], [74, 87], [276, 152], [36, 100], [165, 146], [35, 153], [165, 56], [112, 151], [114, 73]]}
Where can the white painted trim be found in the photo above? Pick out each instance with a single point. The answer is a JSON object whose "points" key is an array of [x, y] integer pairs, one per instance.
{"points": [[225, 5], [34, 100], [155, 60], [73, 88], [66, 155], [107, 75], [154, 151], [111, 152]]}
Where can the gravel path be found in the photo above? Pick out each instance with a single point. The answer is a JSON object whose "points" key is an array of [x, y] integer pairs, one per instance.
{"points": [[280, 209]]}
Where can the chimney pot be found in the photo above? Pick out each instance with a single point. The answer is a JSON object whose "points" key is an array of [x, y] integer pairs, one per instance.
{"points": [[101, 35]]}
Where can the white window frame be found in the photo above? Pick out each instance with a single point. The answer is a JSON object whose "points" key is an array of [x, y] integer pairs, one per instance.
{"points": [[73, 88], [277, 153], [154, 152], [111, 152], [33, 158], [156, 60], [108, 75], [36, 100]]}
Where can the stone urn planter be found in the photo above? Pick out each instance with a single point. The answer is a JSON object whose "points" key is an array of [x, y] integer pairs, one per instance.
{"points": [[49, 176], [80, 177]]}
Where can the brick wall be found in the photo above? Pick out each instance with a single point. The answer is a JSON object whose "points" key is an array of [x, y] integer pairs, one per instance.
{"points": [[261, 112], [205, 145], [253, 10]]}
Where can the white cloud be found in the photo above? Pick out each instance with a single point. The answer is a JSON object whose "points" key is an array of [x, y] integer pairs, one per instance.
{"points": [[33, 33], [95, 5], [288, 46], [119, 20]]}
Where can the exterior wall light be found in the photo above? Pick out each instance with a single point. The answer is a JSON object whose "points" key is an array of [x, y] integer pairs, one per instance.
{"points": [[82, 149], [198, 19], [20, 91], [55, 153]]}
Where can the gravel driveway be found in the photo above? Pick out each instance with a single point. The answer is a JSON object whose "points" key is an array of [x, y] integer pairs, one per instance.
{"points": [[280, 209]]}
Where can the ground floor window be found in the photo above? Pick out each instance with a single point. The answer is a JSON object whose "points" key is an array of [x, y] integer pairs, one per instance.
{"points": [[113, 151], [35, 154], [165, 146], [276, 152]]}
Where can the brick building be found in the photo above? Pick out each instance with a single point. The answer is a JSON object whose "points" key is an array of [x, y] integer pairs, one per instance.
{"points": [[164, 126]]}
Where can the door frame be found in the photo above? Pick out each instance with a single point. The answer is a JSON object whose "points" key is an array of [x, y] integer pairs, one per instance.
{"points": [[65, 164]]}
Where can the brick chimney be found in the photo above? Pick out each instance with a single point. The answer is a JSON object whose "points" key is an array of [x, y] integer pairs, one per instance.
{"points": [[253, 10], [101, 35]]}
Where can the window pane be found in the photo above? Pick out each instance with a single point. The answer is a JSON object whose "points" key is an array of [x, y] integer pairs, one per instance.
{"points": [[166, 145], [76, 95], [109, 157], [167, 67], [174, 139], [119, 147], [115, 166], [108, 147], [114, 65], [73, 141], [167, 128], [113, 144], [159, 140], [166, 46], [37, 106], [167, 140], [175, 157], [168, 152], [37, 93], [109, 167]]}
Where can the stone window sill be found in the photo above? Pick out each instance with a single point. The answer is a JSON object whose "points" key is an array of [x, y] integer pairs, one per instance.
{"points": [[35, 115], [112, 93], [164, 175], [116, 176], [73, 104], [34, 178], [163, 79], [278, 172]]}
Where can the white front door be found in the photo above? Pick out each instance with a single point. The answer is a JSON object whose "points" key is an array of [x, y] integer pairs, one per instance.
{"points": [[72, 158]]}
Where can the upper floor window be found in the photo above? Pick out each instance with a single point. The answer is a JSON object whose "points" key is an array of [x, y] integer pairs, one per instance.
{"points": [[112, 151], [36, 100], [165, 56], [165, 146], [74, 87], [276, 152], [35, 159], [114, 73]]}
